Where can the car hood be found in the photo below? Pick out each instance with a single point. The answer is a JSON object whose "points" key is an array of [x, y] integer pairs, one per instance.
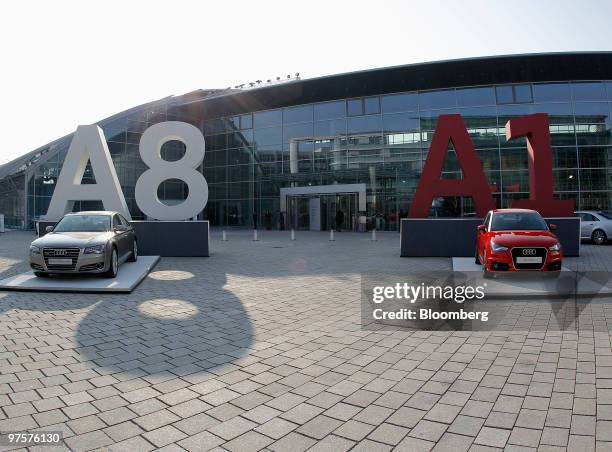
{"points": [[524, 238], [72, 239]]}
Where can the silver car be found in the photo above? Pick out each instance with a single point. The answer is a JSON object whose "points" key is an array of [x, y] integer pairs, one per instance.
{"points": [[85, 242], [595, 225]]}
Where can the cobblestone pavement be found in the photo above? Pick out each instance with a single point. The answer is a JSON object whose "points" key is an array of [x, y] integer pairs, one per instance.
{"points": [[260, 347]]}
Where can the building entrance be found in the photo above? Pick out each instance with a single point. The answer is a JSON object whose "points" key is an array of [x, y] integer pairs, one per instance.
{"points": [[323, 212]]}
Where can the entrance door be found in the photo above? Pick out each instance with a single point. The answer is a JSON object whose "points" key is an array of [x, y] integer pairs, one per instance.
{"points": [[298, 211], [332, 205], [304, 210]]}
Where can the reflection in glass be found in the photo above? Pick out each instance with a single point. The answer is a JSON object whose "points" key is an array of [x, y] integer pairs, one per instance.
{"points": [[588, 91], [437, 99], [551, 92], [475, 97], [267, 118], [329, 110], [399, 103]]}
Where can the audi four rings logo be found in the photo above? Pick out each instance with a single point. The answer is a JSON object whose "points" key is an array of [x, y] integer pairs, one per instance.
{"points": [[60, 252], [529, 252]]}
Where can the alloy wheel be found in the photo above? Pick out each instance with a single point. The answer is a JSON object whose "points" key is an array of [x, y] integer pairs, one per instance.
{"points": [[599, 237]]}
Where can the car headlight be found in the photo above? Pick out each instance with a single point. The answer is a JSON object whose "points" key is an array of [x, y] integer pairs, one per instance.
{"points": [[34, 249], [555, 247], [96, 249], [498, 248]]}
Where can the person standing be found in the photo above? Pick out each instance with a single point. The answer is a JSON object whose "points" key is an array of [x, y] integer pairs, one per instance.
{"points": [[339, 220]]}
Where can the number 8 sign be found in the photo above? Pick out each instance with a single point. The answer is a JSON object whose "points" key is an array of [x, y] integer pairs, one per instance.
{"points": [[160, 170]]}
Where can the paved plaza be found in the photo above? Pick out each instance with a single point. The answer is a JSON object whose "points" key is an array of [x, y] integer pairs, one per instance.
{"points": [[260, 347]]}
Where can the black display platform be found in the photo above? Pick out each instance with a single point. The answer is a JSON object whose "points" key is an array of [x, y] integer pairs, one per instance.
{"points": [[165, 238], [455, 237]]}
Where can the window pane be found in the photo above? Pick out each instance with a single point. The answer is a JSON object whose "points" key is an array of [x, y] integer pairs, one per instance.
{"points": [[297, 131], [591, 112], [330, 110], [267, 118], [330, 128], [475, 97], [559, 113], [437, 99], [504, 94], [364, 124], [399, 102], [552, 92], [272, 135], [298, 114], [609, 90], [522, 93], [400, 122], [371, 105], [246, 121], [565, 180], [354, 107], [588, 91]]}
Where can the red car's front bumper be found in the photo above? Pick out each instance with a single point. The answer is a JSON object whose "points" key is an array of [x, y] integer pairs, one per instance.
{"points": [[506, 261]]}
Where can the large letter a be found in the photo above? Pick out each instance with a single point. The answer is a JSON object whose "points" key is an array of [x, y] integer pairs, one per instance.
{"points": [[88, 143], [474, 182]]}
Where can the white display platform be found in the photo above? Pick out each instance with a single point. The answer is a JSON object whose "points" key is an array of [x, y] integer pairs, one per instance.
{"points": [[536, 284], [129, 276]]}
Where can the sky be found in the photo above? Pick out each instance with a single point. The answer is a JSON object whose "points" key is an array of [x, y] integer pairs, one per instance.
{"points": [[65, 63]]}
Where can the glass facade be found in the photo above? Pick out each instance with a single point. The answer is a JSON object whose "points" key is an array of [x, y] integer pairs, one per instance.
{"points": [[380, 141]]}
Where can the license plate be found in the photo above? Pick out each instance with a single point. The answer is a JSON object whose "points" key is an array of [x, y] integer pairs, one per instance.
{"points": [[528, 260], [60, 261]]}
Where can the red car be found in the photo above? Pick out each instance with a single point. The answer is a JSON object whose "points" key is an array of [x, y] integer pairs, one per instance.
{"points": [[517, 239]]}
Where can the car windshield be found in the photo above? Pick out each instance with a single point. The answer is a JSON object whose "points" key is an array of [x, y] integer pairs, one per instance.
{"points": [[606, 215], [518, 222], [83, 223]]}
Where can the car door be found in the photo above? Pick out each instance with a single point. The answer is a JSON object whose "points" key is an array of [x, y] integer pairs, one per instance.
{"points": [[481, 238], [120, 236], [130, 236], [587, 224]]}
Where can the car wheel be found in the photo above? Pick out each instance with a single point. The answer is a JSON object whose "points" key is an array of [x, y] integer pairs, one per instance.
{"points": [[134, 255], [598, 237], [41, 274], [113, 267]]}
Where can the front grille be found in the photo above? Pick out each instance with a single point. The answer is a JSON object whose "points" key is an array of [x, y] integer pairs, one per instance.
{"points": [[533, 252], [61, 253]]}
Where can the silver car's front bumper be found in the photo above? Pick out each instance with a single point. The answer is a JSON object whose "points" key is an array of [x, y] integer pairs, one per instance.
{"points": [[68, 260]]}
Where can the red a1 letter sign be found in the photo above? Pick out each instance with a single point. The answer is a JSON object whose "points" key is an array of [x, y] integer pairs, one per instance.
{"points": [[474, 182], [535, 129]]}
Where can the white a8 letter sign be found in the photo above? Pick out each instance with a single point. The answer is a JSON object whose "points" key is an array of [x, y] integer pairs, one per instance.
{"points": [[88, 144]]}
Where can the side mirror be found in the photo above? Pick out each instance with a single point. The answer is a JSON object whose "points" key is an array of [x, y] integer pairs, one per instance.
{"points": [[552, 227], [48, 229], [120, 228], [481, 228]]}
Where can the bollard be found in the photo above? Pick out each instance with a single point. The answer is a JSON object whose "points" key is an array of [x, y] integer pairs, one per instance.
{"points": [[255, 238], [331, 235], [373, 235], [293, 234], [224, 238]]}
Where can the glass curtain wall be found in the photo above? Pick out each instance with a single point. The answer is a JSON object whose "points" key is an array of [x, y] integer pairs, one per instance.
{"points": [[381, 141]]}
